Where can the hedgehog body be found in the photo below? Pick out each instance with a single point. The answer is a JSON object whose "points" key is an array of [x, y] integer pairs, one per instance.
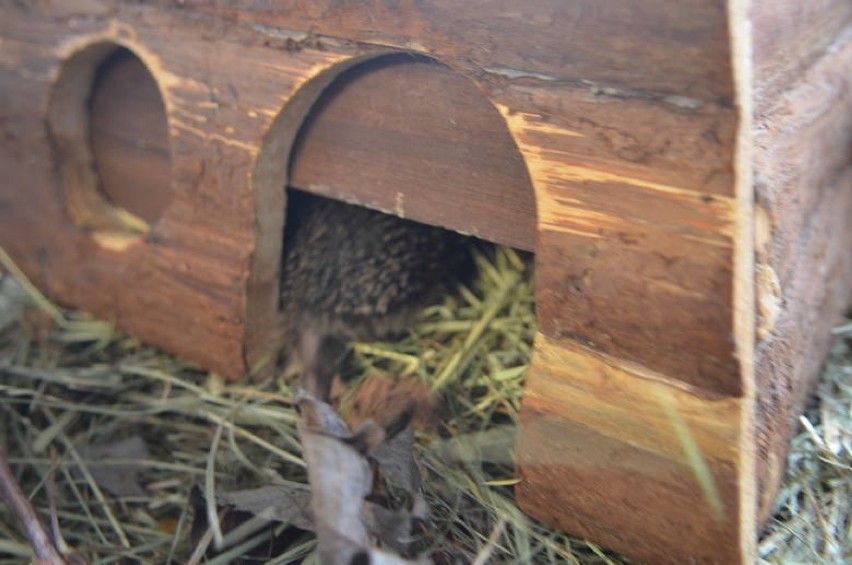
{"points": [[350, 273]]}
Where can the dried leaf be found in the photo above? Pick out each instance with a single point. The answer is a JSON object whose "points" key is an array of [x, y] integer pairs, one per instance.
{"points": [[391, 527], [289, 504], [340, 479], [119, 479], [397, 462]]}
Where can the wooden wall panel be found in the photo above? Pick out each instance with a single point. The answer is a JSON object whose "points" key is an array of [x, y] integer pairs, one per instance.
{"points": [[621, 113], [803, 155], [419, 140], [197, 255], [791, 358], [614, 458], [802, 140], [636, 218], [789, 35], [615, 43]]}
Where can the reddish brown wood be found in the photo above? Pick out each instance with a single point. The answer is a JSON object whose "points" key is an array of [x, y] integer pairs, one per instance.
{"points": [[405, 136], [649, 45], [803, 140], [130, 139], [634, 230], [789, 36], [183, 286], [614, 487], [790, 358], [620, 112], [369, 143], [803, 161], [372, 141], [418, 140]]}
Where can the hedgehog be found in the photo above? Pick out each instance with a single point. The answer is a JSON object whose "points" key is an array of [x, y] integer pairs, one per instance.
{"points": [[351, 273]]}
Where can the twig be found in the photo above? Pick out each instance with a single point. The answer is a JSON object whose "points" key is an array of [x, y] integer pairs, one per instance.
{"points": [[72, 556], [17, 501], [41, 300], [201, 548], [485, 553], [210, 490], [51, 498]]}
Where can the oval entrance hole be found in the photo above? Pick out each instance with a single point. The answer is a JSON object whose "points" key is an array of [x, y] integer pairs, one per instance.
{"points": [[109, 127], [130, 137]]}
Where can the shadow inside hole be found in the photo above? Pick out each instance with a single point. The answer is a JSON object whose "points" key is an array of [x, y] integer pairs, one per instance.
{"points": [[129, 136], [353, 134], [127, 168], [408, 135], [354, 274], [330, 244]]}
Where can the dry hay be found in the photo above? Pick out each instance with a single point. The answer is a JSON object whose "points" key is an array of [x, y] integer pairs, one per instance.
{"points": [[140, 439]]}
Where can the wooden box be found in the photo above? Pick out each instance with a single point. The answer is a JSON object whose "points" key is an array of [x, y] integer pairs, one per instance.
{"points": [[680, 168]]}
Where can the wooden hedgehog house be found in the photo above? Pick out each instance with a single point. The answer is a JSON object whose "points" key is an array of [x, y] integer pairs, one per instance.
{"points": [[680, 168]]}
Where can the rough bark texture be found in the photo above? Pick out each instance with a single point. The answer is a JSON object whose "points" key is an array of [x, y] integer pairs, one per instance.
{"points": [[601, 134], [803, 172]]}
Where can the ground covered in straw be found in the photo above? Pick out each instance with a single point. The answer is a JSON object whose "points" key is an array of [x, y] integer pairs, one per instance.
{"points": [[140, 448]]}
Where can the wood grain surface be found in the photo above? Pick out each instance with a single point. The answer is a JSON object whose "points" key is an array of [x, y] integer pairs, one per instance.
{"points": [[602, 134], [803, 165], [619, 441], [402, 135], [416, 139], [130, 138], [647, 45], [789, 36]]}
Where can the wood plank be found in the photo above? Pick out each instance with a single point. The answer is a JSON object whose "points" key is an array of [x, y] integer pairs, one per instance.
{"points": [[420, 141], [804, 192], [622, 44], [611, 466], [635, 253], [802, 140], [130, 138], [789, 35], [184, 286], [812, 301]]}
